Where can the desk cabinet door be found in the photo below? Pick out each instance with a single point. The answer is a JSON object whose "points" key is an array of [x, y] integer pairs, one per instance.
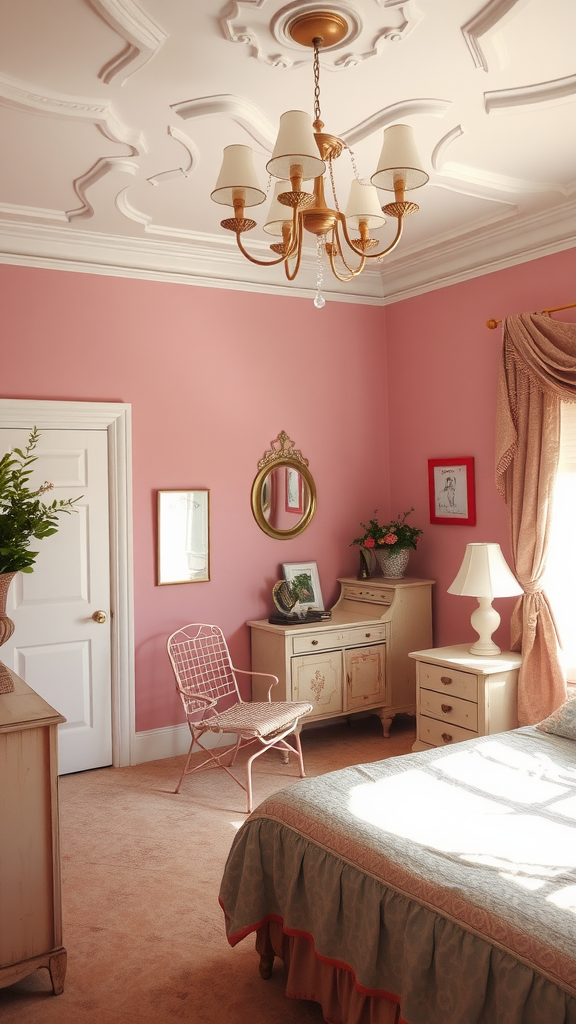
{"points": [[318, 678], [365, 677]]}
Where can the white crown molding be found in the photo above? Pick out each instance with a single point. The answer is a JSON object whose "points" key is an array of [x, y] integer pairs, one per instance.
{"points": [[211, 261], [24, 96], [484, 21], [542, 94], [142, 35]]}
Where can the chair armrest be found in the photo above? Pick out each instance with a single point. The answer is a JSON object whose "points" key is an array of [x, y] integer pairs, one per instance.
{"points": [[263, 675], [192, 698]]}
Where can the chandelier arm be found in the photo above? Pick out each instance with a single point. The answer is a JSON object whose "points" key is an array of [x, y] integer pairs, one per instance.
{"points": [[294, 244], [353, 273], [338, 248], [372, 255], [291, 274]]}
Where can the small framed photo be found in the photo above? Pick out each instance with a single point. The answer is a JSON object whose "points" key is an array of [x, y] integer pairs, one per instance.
{"points": [[451, 489], [294, 491], [183, 537], [305, 579]]}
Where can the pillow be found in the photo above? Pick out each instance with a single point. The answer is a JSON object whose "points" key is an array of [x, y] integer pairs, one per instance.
{"points": [[561, 722]]}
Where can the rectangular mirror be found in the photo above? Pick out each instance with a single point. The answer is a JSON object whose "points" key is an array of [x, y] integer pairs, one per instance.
{"points": [[183, 537]]}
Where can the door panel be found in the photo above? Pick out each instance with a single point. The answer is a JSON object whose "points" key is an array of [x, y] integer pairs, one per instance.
{"points": [[318, 679], [365, 676], [57, 647]]}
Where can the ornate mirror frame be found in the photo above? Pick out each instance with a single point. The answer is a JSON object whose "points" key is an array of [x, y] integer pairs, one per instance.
{"points": [[282, 453]]}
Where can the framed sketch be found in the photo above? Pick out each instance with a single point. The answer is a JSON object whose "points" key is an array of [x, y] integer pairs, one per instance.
{"points": [[294, 491], [305, 579], [451, 489], [183, 537]]}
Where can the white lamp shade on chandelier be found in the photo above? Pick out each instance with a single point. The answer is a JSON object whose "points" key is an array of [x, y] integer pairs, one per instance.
{"points": [[295, 146], [238, 173], [399, 160], [278, 214], [364, 205], [485, 574]]}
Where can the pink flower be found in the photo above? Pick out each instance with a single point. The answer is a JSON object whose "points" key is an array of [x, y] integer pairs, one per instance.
{"points": [[390, 538], [369, 542]]}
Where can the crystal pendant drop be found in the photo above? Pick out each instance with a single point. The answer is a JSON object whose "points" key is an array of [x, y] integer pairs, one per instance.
{"points": [[319, 300]]}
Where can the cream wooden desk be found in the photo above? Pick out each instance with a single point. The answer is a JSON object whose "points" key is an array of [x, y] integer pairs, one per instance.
{"points": [[30, 900], [461, 695], [355, 661]]}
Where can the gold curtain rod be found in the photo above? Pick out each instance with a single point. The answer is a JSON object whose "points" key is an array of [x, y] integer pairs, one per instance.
{"points": [[493, 324]]}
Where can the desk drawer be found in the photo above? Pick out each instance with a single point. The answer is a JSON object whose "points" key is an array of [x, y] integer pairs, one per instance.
{"points": [[447, 708], [448, 680], [338, 638], [442, 734]]}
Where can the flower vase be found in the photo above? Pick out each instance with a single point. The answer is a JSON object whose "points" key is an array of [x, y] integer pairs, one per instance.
{"points": [[393, 563], [6, 630]]}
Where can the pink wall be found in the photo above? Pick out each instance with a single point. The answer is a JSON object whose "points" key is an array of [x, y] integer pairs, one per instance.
{"points": [[442, 366], [212, 376]]}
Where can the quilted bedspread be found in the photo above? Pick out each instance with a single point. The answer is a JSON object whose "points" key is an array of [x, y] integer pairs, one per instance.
{"points": [[446, 878]]}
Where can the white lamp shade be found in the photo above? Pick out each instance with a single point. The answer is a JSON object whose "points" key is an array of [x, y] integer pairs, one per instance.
{"points": [[399, 160], [363, 204], [238, 173], [296, 146], [484, 573], [278, 214]]}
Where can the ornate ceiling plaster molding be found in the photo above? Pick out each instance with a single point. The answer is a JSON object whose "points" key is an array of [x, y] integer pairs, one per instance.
{"points": [[387, 115], [142, 35], [186, 169], [484, 21], [99, 170], [245, 113], [263, 31], [24, 96], [32, 212], [488, 182], [542, 94]]}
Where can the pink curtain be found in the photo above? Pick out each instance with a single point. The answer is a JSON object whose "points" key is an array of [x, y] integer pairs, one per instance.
{"points": [[537, 372]]}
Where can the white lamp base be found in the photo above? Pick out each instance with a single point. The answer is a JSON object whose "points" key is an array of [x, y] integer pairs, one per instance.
{"points": [[485, 620]]}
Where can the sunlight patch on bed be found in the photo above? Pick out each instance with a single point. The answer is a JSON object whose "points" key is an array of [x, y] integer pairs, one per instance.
{"points": [[526, 883], [423, 809], [564, 898], [521, 785]]}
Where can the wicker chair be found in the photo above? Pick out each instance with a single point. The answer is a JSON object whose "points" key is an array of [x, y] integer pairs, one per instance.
{"points": [[206, 682]]}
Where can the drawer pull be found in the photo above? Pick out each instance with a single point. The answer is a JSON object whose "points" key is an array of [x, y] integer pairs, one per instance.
{"points": [[446, 708], [446, 680], [368, 635], [314, 643], [446, 737]]}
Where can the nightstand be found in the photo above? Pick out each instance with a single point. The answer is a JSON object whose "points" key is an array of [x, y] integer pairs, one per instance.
{"points": [[461, 695]]}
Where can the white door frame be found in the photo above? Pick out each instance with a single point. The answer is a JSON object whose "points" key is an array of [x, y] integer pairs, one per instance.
{"points": [[115, 418]]}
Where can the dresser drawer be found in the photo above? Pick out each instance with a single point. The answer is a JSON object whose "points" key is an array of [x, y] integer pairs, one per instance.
{"points": [[441, 734], [326, 641], [448, 680], [448, 708]]}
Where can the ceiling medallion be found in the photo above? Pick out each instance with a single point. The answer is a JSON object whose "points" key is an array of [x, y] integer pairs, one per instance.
{"points": [[304, 152], [350, 37]]}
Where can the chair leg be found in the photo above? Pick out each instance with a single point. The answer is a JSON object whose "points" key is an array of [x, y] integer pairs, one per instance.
{"points": [[296, 736], [185, 769]]}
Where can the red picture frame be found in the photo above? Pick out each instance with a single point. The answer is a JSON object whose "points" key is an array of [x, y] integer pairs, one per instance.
{"points": [[452, 492], [294, 491]]}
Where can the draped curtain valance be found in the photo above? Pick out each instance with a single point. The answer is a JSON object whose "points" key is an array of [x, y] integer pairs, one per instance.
{"points": [[537, 372]]}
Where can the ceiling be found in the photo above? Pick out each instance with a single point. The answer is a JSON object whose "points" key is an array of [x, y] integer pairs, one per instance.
{"points": [[114, 115]]}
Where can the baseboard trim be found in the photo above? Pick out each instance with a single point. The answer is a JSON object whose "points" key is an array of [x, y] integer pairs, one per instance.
{"points": [[156, 744]]}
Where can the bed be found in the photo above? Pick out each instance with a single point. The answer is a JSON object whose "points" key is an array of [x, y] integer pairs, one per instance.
{"points": [[431, 888]]}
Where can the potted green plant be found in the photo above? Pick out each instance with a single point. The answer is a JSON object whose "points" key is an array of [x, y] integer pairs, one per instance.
{"points": [[23, 518], [390, 542]]}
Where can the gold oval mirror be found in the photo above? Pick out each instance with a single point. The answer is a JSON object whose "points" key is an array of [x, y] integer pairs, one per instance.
{"points": [[283, 493]]}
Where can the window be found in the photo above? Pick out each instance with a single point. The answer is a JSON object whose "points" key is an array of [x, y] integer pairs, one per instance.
{"points": [[560, 575]]}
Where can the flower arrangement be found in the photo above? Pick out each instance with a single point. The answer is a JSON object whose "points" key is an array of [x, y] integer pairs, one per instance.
{"points": [[392, 536], [22, 515]]}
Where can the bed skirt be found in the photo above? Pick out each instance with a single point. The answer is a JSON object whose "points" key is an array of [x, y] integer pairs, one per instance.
{"points": [[316, 980]]}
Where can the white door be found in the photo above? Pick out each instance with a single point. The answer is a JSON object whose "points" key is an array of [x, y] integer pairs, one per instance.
{"points": [[58, 647]]}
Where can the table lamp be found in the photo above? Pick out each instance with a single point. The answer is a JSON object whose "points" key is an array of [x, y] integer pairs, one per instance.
{"points": [[484, 574]]}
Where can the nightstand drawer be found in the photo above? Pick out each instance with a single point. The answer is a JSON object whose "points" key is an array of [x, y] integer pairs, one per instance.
{"points": [[442, 734], [336, 639], [447, 708], [448, 680]]}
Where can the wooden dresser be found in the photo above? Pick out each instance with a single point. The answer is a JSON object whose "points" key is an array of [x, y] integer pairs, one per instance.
{"points": [[355, 661], [30, 896]]}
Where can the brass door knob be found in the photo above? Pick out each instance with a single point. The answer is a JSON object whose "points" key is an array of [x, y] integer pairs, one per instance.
{"points": [[100, 617]]}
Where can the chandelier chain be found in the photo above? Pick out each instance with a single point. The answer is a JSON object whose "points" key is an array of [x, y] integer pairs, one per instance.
{"points": [[334, 196], [317, 111]]}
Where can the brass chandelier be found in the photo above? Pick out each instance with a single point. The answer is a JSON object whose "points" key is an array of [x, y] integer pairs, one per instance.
{"points": [[302, 152]]}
